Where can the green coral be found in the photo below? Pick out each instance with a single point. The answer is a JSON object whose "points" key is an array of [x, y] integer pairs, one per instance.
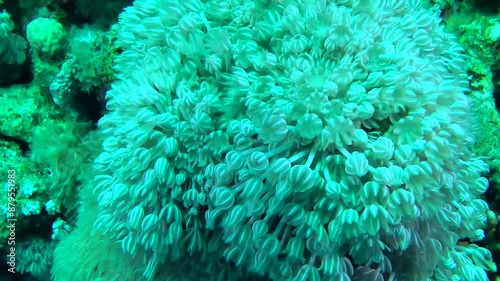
{"points": [[93, 53], [35, 256], [30, 187], [487, 137], [64, 155], [25, 107]]}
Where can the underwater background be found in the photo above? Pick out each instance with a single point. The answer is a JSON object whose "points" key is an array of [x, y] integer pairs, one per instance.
{"points": [[225, 140]]}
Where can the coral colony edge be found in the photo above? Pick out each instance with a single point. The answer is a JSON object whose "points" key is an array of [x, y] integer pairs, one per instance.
{"points": [[238, 140]]}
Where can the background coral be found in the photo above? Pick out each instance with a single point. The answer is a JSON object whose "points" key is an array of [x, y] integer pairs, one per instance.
{"points": [[87, 70], [46, 36], [64, 156], [35, 258], [13, 50]]}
